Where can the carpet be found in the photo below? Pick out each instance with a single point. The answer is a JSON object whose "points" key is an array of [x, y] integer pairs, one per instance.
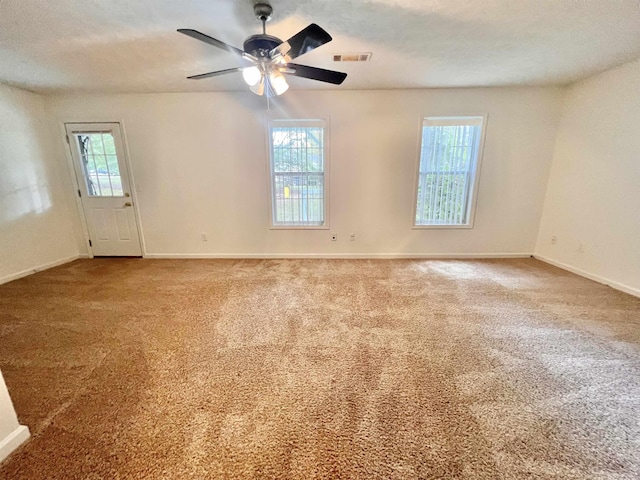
{"points": [[321, 369]]}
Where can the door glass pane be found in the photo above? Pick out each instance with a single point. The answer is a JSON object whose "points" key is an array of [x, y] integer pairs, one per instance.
{"points": [[100, 164]]}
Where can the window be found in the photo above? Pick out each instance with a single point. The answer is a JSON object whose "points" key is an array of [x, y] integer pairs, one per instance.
{"points": [[298, 181], [100, 164], [448, 171]]}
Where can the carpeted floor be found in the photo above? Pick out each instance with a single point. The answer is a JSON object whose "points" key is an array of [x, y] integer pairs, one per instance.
{"points": [[301, 369]]}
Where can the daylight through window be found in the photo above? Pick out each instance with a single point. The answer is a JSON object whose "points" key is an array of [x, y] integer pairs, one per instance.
{"points": [[447, 170], [100, 164], [298, 173]]}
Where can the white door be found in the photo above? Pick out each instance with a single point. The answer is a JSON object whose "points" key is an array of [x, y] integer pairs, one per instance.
{"points": [[104, 188]]}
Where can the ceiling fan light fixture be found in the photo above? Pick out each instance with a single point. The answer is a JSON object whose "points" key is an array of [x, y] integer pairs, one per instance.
{"points": [[278, 82], [252, 75], [266, 59], [258, 88]]}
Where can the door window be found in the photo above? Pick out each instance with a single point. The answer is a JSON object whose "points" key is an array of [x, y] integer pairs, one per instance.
{"points": [[100, 164]]}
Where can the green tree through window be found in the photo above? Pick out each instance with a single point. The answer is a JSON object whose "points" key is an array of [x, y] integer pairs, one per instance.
{"points": [[297, 171]]}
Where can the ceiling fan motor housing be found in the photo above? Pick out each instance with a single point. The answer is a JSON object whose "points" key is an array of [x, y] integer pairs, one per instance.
{"points": [[260, 45]]}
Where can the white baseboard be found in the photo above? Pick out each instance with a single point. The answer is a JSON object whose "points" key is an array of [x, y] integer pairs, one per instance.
{"points": [[591, 276], [13, 441], [39, 268], [435, 256]]}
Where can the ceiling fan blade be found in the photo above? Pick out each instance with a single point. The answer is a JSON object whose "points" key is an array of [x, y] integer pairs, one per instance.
{"points": [[315, 73], [211, 41], [214, 74], [302, 42]]}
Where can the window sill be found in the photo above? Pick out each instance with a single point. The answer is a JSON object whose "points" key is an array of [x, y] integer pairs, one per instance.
{"points": [[299, 227], [441, 227]]}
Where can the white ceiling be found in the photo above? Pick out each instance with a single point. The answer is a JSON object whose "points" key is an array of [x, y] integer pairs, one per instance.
{"points": [[132, 45]]}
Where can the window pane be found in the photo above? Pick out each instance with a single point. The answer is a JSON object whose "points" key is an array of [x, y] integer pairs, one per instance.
{"points": [[95, 140], [112, 164], [297, 159], [448, 158], [102, 172]]}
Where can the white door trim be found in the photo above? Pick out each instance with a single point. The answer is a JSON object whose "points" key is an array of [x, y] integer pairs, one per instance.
{"points": [[134, 188], [62, 126]]}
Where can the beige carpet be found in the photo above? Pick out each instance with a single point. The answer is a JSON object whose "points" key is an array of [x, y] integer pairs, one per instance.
{"points": [[302, 369]]}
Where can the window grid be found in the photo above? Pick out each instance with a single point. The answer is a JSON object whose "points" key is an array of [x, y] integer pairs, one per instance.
{"points": [[297, 167], [448, 158], [102, 173]]}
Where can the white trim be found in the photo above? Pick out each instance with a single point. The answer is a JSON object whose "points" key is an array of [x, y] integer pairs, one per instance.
{"points": [[299, 227], [288, 122], [435, 256], [13, 441], [591, 276], [472, 201], [454, 121], [134, 189], [39, 268], [323, 123], [74, 181], [435, 227], [111, 126]]}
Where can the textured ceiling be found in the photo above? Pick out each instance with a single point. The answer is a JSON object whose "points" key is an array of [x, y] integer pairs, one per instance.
{"points": [[133, 46]]}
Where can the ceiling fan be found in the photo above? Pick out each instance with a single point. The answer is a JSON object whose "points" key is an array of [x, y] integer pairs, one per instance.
{"points": [[267, 58]]}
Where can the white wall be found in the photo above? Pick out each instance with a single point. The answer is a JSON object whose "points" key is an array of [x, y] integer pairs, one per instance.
{"points": [[200, 165], [12, 434], [36, 228], [593, 196]]}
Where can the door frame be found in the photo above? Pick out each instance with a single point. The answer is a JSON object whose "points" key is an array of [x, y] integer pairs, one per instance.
{"points": [[75, 181]]}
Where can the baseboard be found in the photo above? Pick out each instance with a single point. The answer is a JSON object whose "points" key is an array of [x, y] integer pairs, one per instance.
{"points": [[13, 441], [39, 268], [591, 276], [435, 256]]}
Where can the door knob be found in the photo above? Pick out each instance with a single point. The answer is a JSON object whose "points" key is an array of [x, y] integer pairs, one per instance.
{"points": [[128, 204]]}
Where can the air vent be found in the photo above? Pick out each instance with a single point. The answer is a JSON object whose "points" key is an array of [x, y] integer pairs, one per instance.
{"points": [[352, 57]]}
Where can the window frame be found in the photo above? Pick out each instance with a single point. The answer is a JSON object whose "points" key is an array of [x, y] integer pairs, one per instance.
{"points": [[298, 122], [473, 186], [85, 171]]}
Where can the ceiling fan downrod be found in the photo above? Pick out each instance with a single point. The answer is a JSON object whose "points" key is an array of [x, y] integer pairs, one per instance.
{"points": [[263, 12], [267, 59]]}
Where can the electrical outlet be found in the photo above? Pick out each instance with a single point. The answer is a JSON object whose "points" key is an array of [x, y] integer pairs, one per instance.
{"points": [[352, 237], [334, 237], [554, 240], [203, 237], [581, 248]]}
